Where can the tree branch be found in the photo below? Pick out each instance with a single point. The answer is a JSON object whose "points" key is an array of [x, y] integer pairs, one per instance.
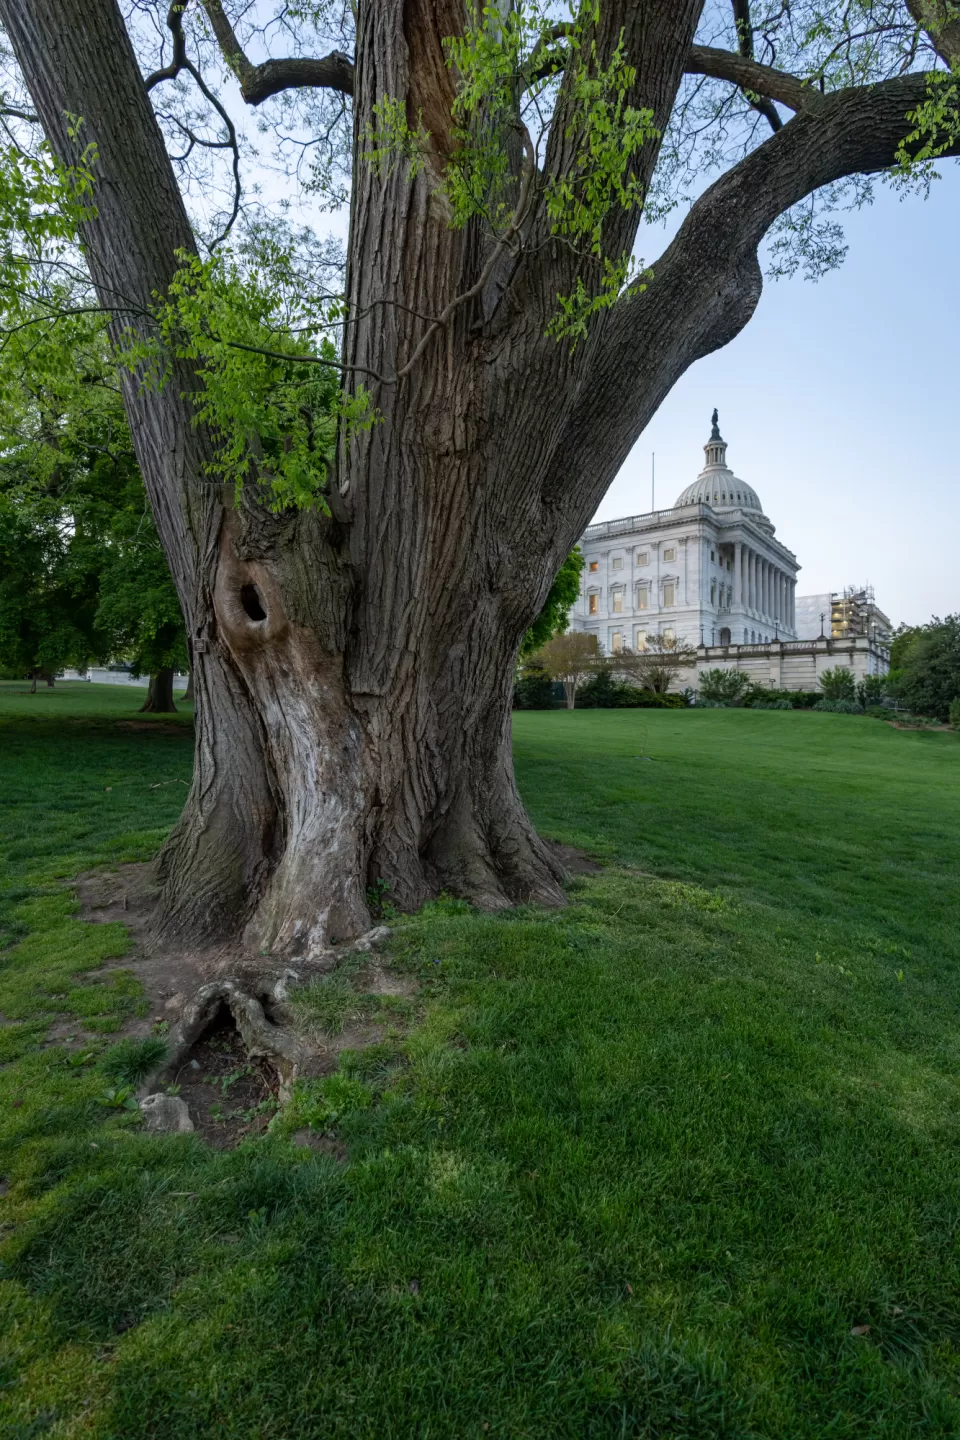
{"points": [[942, 24], [706, 286], [749, 74], [259, 82]]}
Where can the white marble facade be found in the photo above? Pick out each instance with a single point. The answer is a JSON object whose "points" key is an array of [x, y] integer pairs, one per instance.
{"points": [[708, 571]]}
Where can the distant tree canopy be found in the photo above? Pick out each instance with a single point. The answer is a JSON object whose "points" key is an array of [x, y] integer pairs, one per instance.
{"points": [[82, 574], [926, 672]]}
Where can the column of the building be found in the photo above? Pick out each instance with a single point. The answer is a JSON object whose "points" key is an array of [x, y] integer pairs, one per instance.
{"points": [[749, 579], [763, 587], [683, 553], [737, 575]]}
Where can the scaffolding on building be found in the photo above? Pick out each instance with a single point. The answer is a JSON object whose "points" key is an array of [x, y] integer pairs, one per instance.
{"points": [[854, 611]]}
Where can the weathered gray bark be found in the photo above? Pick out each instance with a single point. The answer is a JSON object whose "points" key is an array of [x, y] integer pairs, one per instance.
{"points": [[188, 696], [160, 694], [353, 672]]}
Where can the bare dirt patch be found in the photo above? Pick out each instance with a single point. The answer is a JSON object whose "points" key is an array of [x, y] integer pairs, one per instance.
{"points": [[576, 862], [229, 1096]]}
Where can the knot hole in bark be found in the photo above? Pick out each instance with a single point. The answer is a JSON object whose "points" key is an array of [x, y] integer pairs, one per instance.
{"points": [[252, 602]]}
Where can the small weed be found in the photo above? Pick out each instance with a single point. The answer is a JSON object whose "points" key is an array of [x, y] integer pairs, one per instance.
{"points": [[134, 1060]]}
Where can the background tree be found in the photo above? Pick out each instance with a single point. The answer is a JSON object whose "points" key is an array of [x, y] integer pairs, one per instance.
{"points": [[500, 356], [83, 574], [48, 592], [838, 684], [928, 677], [659, 665], [571, 658]]}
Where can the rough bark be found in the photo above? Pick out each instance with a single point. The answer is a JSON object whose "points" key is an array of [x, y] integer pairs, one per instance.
{"points": [[188, 695], [353, 671], [160, 694]]}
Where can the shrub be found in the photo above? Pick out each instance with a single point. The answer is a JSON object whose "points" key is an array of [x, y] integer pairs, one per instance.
{"points": [[533, 691], [879, 712], [955, 713], [838, 684], [839, 707], [771, 705], [727, 686]]}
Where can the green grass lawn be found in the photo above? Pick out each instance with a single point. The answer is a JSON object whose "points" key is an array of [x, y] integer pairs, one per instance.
{"points": [[678, 1161]]}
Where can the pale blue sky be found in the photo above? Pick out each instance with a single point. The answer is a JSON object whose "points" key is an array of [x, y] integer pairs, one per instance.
{"points": [[840, 402]]}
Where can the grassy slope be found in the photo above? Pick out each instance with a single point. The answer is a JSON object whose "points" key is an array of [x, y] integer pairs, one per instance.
{"points": [[640, 1171]]}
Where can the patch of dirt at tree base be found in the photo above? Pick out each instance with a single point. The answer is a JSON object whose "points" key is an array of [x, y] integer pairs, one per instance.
{"points": [[126, 895], [576, 862], [230, 1097]]}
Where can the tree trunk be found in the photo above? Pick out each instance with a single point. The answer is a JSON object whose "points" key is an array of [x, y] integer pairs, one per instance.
{"points": [[160, 694], [353, 670], [188, 693]]}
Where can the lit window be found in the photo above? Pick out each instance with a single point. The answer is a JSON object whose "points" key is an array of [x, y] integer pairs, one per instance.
{"points": [[669, 595], [667, 635], [616, 642], [669, 556], [618, 562], [594, 606], [618, 602], [642, 597], [643, 557], [594, 565], [641, 640]]}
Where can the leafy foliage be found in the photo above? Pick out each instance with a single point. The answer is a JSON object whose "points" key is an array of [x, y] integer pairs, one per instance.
{"points": [[554, 617], [727, 686], [838, 684], [927, 678]]}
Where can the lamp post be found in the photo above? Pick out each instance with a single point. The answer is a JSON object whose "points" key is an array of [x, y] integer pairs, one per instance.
{"points": [[701, 633], [713, 635], [822, 618]]}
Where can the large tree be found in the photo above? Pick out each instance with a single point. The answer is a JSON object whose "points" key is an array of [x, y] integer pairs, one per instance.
{"points": [[353, 657]]}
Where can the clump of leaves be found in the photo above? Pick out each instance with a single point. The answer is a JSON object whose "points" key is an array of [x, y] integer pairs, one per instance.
{"points": [[130, 1061]]}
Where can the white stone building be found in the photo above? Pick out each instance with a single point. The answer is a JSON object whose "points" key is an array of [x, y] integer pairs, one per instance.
{"points": [[708, 571]]}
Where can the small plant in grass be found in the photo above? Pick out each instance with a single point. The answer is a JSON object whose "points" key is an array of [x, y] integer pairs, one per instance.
{"points": [[131, 1061]]}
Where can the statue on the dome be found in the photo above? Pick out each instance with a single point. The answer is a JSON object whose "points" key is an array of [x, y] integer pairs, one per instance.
{"points": [[715, 432]]}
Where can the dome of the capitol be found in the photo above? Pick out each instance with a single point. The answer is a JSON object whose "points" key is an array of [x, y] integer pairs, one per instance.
{"points": [[716, 485]]}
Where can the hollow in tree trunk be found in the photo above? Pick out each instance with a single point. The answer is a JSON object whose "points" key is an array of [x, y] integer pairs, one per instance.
{"points": [[160, 694]]}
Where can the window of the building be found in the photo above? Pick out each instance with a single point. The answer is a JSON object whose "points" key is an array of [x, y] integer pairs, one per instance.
{"points": [[594, 565], [618, 602], [729, 563], [669, 556], [643, 557], [746, 636], [713, 594], [616, 642], [712, 556], [667, 634], [640, 640], [618, 562], [594, 604], [643, 594], [669, 594]]}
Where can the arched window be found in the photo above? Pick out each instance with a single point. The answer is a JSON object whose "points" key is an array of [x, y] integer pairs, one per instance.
{"points": [[724, 636]]}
